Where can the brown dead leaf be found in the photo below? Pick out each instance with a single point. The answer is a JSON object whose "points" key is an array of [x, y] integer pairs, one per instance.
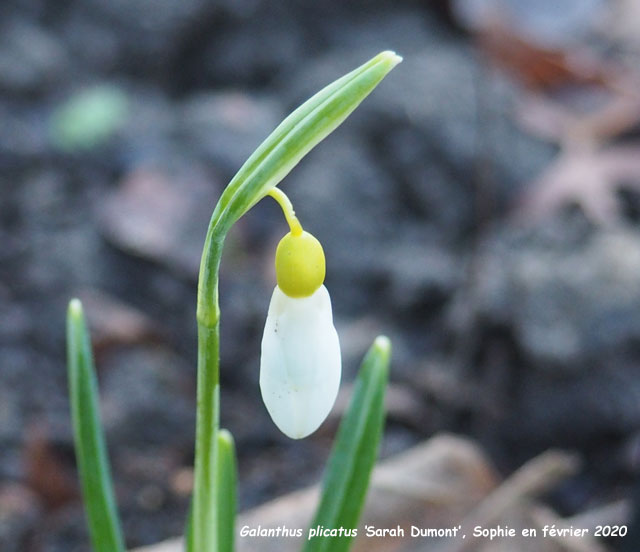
{"points": [[539, 67], [576, 93], [162, 215], [587, 177], [48, 475], [575, 98], [444, 482], [557, 122], [546, 22], [113, 322]]}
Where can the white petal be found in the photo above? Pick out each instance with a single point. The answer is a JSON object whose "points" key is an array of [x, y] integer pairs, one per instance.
{"points": [[300, 364]]}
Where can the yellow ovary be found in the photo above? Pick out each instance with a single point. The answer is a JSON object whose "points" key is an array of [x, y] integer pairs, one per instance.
{"points": [[300, 264]]}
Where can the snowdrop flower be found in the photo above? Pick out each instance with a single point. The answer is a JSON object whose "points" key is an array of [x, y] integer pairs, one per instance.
{"points": [[300, 364]]}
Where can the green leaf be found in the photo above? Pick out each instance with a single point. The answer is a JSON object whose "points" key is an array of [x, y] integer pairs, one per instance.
{"points": [[354, 453], [226, 489], [226, 496], [299, 133], [93, 464]]}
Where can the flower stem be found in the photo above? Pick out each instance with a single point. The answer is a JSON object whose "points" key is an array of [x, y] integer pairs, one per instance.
{"points": [[265, 168], [287, 209], [204, 534]]}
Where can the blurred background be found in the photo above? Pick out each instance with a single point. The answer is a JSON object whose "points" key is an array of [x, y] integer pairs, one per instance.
{"points": [[481, 208]]}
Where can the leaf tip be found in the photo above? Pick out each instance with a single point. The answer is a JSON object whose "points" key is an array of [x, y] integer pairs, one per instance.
{"points": [[390, 57], [75, 308], [382, 346], [225, 438]]}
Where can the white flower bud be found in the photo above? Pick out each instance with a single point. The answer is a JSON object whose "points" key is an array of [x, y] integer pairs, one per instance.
{"points": [[300, 365]]}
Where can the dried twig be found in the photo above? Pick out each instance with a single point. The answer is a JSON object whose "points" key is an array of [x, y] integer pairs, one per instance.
{"points": [[534, 478]]}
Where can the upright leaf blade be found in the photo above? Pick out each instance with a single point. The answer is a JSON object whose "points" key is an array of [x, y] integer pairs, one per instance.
{"points": [[93, 464], [226, 484], [227, 478], [354, 453], [226, 489]]}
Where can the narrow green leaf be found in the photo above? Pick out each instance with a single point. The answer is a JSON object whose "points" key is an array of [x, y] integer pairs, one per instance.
{"points": [[354, 453], [93, 464], [226, 489], [227, 478], [302, 130]]}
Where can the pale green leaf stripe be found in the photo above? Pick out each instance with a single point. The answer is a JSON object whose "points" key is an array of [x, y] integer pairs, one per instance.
{"points": [[354, 453], [226, 489], [93, 465]]}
